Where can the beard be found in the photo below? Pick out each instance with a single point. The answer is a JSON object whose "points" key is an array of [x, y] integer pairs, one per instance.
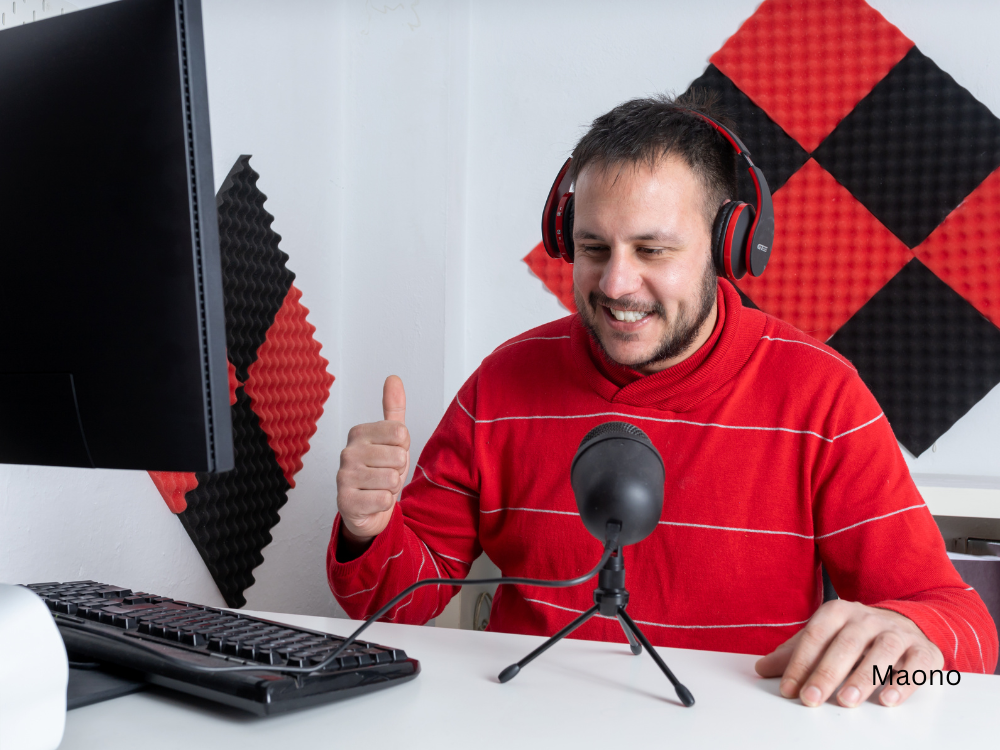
{"points": [[680, 333]]}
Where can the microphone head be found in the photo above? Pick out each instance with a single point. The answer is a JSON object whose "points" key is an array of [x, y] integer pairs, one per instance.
{"points": [[617, 475]]}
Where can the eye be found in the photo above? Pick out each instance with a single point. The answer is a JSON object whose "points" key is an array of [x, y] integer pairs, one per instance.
{"points": [[652, 251], [595, 248]]}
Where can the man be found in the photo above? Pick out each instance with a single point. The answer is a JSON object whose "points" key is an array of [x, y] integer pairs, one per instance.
{"points": [[777, 457]]}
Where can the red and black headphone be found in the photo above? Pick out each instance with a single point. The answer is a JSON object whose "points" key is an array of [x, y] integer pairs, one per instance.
{"points": [[741, 236]]}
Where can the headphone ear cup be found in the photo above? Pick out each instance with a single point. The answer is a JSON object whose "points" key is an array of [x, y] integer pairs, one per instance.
{"points": [[719, 232], [567, 235]]}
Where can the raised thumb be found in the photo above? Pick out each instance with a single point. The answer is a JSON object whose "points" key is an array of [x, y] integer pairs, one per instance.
{"points": [[394, 399]]}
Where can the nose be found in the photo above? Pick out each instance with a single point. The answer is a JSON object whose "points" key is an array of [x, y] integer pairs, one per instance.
{"points": [[621, 275]]}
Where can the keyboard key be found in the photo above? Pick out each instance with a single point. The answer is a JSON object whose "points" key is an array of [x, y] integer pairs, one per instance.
{"points": [[193, 639]]}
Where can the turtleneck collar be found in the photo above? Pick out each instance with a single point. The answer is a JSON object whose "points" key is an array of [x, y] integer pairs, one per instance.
{"points": [[681, 387]]}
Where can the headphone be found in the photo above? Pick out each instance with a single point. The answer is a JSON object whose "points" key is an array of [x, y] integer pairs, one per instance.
{"points": [[742, 235]]}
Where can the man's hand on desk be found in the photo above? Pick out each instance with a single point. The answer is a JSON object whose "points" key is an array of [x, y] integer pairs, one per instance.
{"points": [[373, 469], [844, 641]]}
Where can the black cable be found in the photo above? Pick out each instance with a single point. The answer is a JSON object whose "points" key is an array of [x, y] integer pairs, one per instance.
{"points": [[609, 549]]}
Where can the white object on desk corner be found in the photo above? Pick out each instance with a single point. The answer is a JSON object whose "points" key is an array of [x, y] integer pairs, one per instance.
{"points": [[33, 673]]}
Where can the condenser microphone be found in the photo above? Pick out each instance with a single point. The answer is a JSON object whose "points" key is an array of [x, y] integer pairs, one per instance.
{"points": [[617, 477]]}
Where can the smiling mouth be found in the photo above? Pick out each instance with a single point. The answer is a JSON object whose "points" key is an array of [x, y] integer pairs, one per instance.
{"points": [[627, 316]]}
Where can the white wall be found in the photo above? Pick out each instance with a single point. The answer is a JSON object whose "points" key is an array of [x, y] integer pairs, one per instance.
{"points": [[406, 149]]}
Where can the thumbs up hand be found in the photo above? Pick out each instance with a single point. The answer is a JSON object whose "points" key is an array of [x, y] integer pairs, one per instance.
{"points": [[373, 468]]}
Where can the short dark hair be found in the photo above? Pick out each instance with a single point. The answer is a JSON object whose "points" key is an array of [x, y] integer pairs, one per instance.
{"points": [[647, 130]]}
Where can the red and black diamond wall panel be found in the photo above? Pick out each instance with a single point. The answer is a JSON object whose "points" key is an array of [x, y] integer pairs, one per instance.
{"points": [[886, 180], [278, 384]]}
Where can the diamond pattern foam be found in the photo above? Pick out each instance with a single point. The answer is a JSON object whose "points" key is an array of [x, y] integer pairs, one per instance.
{"points": [[807, 64], [964, 251], [555, 274], [174, 485], [914, 148], [229, 516], [926, 354], [256, 279], [777, 154], [288, 384], [833, 255]]}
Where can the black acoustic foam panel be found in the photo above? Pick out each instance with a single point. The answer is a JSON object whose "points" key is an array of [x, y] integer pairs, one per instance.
{"points": [[777, 154], [229, 516], [913, 148], [256, 279], [927, 355]]}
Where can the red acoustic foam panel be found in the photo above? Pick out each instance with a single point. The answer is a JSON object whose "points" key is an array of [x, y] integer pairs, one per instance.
{"points": [[808, 63], [173, 486], [288, 384], [964, 250], [234, 383], [830, 255], [557, 275]]}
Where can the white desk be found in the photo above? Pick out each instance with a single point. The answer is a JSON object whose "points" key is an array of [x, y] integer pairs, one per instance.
{"points": [[579, 694]]}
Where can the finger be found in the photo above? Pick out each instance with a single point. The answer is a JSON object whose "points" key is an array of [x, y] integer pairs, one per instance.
{"points": [[816, 636], [356, 505], [887, 649], [380, 433], [394, 400], [774, 664], [367, 478], [837, 662], [376, 456], [920, 657]]}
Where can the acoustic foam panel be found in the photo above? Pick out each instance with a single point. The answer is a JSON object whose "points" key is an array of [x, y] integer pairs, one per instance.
{"points": [[278, 385], [926, 354], [777, 154], [904, 163], [833, 255], [252, 265], [913, 148], [807, 64]]}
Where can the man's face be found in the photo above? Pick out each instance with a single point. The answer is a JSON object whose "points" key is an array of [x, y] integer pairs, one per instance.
{"points": [[643, 276]]}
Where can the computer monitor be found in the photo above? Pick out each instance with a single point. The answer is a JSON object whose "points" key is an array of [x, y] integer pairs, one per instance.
{"points": [[113, 347]]}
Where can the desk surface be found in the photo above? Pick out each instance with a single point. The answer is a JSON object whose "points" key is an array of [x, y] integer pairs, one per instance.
{"points": [[578, 694]]}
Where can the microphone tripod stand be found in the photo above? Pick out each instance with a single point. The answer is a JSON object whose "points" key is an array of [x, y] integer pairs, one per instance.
{"points": [[610, 600]]}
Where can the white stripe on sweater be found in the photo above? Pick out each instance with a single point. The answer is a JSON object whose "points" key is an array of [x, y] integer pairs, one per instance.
{"points": [[441, 554], [733, 528], [722, 528], [681, 627], [869, 520], [982, 661], [954, 656], [407, 603], [672, 421], [811, 346], [348, 596], [443, 487]]}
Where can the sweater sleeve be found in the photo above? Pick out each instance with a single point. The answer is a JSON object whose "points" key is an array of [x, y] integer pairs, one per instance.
{"points": [[433, 532], [881, 546]]}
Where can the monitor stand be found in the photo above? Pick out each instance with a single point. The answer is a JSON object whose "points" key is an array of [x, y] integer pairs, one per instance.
{"points": [[88, 685]]}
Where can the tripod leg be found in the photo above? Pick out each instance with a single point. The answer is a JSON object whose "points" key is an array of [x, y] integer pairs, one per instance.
{"points": [[682, 692], [513, 669], [632, 642]]}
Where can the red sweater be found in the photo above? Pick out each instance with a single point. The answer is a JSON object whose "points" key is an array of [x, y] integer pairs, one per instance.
{"points": [[777, 459]]}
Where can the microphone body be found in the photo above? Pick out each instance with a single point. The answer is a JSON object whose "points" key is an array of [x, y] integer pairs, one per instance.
{"points": [[617, 476]]}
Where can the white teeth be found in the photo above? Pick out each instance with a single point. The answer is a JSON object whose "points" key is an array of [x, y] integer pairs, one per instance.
{"points": [[628, 316]]}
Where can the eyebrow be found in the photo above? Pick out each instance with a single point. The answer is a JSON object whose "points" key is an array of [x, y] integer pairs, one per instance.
{"points": [[665, 237]]}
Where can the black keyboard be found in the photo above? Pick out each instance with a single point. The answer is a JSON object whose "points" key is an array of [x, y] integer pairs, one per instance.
{"points": [[162, 641]]}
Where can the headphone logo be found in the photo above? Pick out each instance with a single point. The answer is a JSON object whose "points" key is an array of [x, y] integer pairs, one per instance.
{"points": [[762, 248]]}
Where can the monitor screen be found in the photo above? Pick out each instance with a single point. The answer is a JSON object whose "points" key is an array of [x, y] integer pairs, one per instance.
{"points": [[113, 346]]}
